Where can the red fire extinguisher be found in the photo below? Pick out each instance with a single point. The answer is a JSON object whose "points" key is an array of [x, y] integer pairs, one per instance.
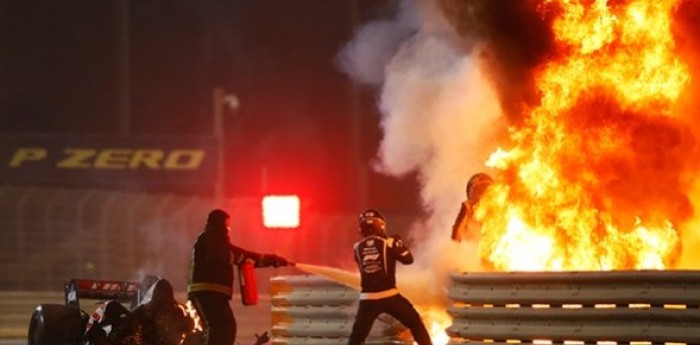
{"points": [[247, 283]]}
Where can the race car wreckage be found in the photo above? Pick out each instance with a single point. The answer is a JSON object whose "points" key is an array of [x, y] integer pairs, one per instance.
{"points": [[129, 313]]}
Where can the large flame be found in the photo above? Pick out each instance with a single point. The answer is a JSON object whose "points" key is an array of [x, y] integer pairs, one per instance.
{"points": [[586, 183], [590, 175]]}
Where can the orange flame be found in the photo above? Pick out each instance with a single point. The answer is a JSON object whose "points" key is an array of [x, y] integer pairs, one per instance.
{"points": [[573, 192], [437, 321], [190, 311]]}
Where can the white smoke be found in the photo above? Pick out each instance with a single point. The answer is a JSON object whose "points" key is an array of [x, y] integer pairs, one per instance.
{"points": [[440, 118], [365, 57]]}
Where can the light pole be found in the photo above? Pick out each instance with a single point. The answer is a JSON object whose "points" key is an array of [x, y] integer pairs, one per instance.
{"points": [[123, 68], [222, 101]]}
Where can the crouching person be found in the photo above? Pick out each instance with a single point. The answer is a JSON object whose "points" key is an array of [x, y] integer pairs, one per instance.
{"points": [[160, 321]]}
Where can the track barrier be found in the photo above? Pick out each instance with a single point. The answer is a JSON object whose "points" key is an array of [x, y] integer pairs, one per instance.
{"points": [[314, 310], [618, 307]]}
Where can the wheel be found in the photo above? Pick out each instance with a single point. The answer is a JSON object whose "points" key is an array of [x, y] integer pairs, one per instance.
{"points": [[55, 324]]}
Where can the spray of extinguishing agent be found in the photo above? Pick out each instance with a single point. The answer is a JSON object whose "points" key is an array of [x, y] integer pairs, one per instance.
{"points": [[249, 288], [349, 279]]}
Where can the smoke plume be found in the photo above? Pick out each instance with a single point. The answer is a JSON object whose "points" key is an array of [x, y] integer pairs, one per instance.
{"points": [[512, 39], [455, 74], [438, 111]]}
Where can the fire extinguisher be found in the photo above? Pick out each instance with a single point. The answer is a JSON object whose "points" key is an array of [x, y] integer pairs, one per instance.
{"points": [[247, 283]]}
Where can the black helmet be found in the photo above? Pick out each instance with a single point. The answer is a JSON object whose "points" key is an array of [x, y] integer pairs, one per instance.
{"points": [[217, 218], [163, 292], [477, 185], [372, 222]]}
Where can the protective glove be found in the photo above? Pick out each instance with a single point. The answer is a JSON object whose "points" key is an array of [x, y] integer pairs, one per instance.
{"points": [[398, 241], [278, 261]]}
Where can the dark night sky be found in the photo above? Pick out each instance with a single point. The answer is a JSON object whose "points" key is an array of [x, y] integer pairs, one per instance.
{"points": [[301, 123]]}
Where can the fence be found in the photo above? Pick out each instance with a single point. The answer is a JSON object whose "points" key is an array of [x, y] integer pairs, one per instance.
{"points": [[624, 307], [51, 235], [48, 236]]}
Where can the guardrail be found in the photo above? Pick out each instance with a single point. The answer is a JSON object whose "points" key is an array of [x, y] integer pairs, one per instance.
{"points": [[312, 310], [618, 307]]}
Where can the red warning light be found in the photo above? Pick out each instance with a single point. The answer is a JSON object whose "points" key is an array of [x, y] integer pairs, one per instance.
{"points": [[281, 211]]}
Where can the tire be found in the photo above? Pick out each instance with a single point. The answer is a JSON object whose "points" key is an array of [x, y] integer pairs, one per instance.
{"points": [[55, 324]]}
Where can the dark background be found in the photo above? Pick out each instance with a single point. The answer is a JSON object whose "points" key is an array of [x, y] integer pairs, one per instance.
{"points": [[136, 68]]}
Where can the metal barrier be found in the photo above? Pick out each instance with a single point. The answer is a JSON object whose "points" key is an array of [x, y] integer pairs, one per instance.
{"points": [[311, 310], [618, 307]]}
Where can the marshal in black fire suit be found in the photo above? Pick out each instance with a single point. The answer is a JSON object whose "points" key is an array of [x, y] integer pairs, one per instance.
{"points": [[211, 277], [376, 255]]}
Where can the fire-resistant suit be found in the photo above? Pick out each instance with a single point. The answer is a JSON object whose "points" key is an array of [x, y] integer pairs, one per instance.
{"points": [[376, 255], [465, 226], [211, 277]]}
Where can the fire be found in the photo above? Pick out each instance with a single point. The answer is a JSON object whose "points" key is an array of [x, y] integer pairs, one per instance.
{"points": [[190, 310], [589, 180], [437, 332], [437, 321]]}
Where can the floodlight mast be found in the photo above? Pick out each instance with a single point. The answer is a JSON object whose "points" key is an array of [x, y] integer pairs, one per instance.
{"points": [[221, 102]]}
